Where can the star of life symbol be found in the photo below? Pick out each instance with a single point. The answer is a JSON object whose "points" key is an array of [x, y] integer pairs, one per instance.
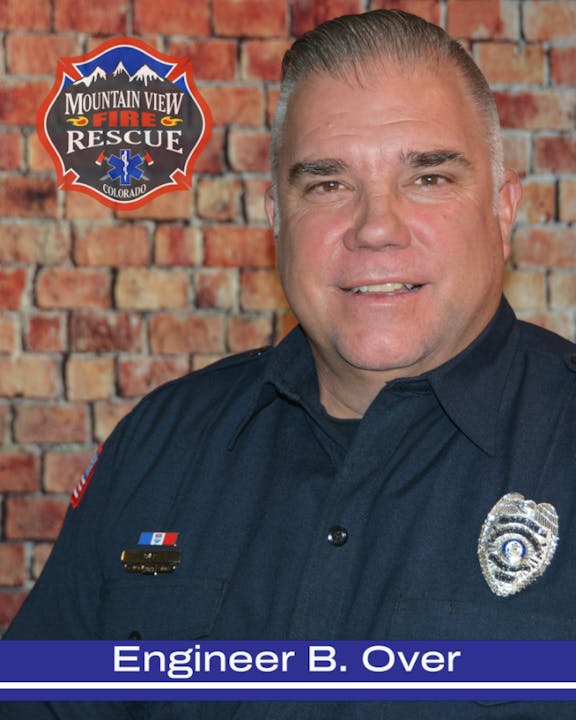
{"points": [[125, 167], [129, 110], [517, 543]]}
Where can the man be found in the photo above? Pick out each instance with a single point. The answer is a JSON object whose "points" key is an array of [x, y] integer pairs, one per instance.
{"points": [[348, 484]]}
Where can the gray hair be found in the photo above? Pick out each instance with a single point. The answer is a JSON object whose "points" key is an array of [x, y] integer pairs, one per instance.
{"points": [[343, 45]]}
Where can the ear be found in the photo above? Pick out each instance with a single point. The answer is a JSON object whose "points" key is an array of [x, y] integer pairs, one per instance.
{"points": [[270, 206], [509, 197]]}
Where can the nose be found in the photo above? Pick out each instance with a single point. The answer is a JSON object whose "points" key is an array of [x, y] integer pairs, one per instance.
{"points": [[378, 224]]}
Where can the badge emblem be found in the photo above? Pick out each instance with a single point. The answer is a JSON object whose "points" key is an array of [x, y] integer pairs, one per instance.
{"points": [[517, 543], [124, 123]]}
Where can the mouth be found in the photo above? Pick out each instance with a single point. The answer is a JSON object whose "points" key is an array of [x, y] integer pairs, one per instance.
{"points": [[389, 288]]}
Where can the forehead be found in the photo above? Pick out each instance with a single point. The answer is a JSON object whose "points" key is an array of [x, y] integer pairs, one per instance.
{"points": [[386, 106]]}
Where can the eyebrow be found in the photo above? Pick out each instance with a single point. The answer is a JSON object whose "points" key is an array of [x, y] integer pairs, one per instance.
{"points": [[433, 158], [415, 159], [322, 167]]}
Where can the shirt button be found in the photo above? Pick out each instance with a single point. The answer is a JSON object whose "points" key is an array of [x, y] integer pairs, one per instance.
{"points": [[337, 535]]}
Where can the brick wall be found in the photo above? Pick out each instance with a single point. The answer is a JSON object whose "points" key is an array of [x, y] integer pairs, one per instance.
{"points": [[97, 307]]}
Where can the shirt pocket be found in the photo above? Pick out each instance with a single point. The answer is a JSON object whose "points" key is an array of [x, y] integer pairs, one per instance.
{"points": [[158, 608]]}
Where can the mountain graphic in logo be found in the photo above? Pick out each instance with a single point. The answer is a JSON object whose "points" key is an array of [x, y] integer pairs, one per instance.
{"points": [[124, 123]]}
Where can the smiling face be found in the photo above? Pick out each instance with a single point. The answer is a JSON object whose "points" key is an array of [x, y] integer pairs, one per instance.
{"points": [[390, 250]]}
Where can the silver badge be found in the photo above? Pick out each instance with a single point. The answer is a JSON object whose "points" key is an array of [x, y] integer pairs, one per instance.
{"points": [[517, 543]]}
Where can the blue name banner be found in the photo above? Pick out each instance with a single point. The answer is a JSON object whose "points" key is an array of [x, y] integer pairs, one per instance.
{"points": [[287, 670]]}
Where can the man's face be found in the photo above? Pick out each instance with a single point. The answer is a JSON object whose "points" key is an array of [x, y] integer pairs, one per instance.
{"points": [[389, 247]]}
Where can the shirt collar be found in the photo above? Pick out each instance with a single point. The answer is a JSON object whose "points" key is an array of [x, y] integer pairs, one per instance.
{"points": [[469, 387]]}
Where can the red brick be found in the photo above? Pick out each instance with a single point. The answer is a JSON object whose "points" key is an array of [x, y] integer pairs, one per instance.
{"points": [[562, 290], [39, 161], [45, 333], [34, 242], [536, 110], [8, 330], [89, 378], [213, 59], [219, 198], [138, 377], [262, 59], [173, 205], [250, 18], [211, 159], [235, 105], [107, 415], [553, 247], [105, 332], [568, 199], [538, 201], [516, 151], [114, 245], [40, 555], [106, 17], [261, 290], [34, 518], [32, 376], [245, 333], [552, 20], [20, 100], [177, 245], [28, 197], [139, 289], [306, 14], [254, 191], [63, 470], [186, 334], [285, 322], [11, 146], [272, 94], [249, 150], [555, 154], [427, 9], [24, 14], [12, 284], [73, 288], [12, 565], [34, 54], [216, 289], [525, 290], [483, 19], [10, 603], [509, 63], [226, 246], [83, 207], [563, 65], [150, 16], [37, 422], [18, 471]]}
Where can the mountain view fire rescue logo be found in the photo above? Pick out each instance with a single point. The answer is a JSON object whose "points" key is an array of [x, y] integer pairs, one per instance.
{"points": [[124, 123]]}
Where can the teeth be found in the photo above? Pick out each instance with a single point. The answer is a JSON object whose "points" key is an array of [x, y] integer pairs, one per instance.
{"points": [[384, 288]]}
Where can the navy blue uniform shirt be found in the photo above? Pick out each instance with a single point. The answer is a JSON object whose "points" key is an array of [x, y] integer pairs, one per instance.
{"points": [[296, 525]]}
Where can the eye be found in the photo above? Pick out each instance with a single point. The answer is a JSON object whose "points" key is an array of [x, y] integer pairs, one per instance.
{"points": [[325, 187], [431, 180]]}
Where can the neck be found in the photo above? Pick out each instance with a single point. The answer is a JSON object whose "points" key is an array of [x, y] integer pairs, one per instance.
{"points": [[347, 394]]}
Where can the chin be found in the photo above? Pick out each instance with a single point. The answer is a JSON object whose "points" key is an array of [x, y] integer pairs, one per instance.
{"points": [[376, 359]]}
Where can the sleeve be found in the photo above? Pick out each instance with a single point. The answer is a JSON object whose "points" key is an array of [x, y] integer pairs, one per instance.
{"points": [[63, 605]]}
